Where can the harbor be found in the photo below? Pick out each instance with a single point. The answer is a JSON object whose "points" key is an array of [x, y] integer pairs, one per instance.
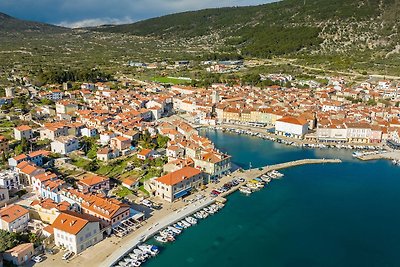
{"points": [[251, 180]]}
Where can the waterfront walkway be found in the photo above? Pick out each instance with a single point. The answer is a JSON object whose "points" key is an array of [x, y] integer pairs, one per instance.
{"points": [[144, 234]]}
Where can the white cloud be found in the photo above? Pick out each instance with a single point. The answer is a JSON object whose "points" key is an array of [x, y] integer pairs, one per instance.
{"points": [[95, 22]]}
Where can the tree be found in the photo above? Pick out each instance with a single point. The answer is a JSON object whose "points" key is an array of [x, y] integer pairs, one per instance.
{"points": [[162, 141], [7, 240]]}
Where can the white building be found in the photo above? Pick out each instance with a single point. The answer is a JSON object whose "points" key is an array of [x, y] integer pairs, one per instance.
{"points": [[176, 184], [76, 232], [23, 131], [89, 132], [14, 218], [64, 145], [291, 127], [9, 179]]}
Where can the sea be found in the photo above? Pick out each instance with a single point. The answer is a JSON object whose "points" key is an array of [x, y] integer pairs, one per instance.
{"points": [[317, 215]]}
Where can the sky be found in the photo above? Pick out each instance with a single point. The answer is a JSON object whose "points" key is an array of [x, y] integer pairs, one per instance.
{"points": [[83, 13]]}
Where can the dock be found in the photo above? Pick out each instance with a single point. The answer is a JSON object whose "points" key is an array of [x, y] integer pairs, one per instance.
{"points": [[393, 155], [257, 172]]}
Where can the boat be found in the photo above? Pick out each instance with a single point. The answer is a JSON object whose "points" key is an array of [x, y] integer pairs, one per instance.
{"points": [[161, 239], [153, 250], [174, 230], [191, 220], [177, 226], [245, 189], [181, 224], [185, 224]]}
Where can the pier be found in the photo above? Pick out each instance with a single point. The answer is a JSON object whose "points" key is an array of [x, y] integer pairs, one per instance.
{"points": [[257, 172]]}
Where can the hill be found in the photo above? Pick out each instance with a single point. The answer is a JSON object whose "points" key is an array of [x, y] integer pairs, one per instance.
{"points": [[281, 28], [11, 25]]}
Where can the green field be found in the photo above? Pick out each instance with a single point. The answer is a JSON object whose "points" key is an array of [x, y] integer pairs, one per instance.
{"points": [[170, 80]]}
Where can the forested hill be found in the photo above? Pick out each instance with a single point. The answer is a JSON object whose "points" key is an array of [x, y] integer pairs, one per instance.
{"points": [[283, 27]]}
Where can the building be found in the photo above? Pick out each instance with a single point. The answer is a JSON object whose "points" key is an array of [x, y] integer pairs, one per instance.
{"points": [[177, 184], [4, 196], [3, 145], [145, 154], [14, 218], [19, 255], [110, 211], [106, 154], [89, 132], [9, 179], [23, 131], [64, 145], [94, 183], [51, 189], [130, 183], [213, 164], [120, 142], [47, 210], [291, 127], [76, 232], [27, 170]]}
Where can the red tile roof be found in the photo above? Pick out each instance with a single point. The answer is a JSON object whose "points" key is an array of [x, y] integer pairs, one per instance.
{"points": [[178, 176]]}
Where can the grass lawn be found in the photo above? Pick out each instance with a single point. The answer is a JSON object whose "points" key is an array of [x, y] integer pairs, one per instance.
{"points": [[80, 162], [123, 192], [170, 80]]}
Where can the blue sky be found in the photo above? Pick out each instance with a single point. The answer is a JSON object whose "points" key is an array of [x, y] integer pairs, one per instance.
{"points": [[75, 13]]}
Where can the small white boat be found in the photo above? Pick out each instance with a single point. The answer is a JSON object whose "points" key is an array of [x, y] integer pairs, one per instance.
{"points": [[161, 239], [181, 224], [245, 189], [191, 220], [185, 224]]}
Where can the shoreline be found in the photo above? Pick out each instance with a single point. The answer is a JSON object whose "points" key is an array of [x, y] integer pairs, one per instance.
{"points": [[142, 236]]}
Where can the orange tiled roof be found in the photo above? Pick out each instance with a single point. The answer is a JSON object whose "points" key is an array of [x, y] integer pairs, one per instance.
{"points": [[72, 222], [12, 213], [179, 175]]}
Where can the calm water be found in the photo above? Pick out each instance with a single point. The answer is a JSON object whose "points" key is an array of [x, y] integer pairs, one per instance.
{"points": [[317, 215]]}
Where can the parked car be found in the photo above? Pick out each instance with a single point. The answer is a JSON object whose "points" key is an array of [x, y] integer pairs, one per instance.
{"points": [[67, 255], [37, 259]]}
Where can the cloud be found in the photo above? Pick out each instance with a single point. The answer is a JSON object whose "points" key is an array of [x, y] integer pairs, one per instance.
{"points": [[95, 22]]}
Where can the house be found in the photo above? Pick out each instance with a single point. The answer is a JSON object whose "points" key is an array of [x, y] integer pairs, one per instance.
{"points": [[27, 170], [89, 132], [131, 183], [121, 143], [105, 137], [213, 164], [19, 255], [110, 211], [4, 196], [51, 189], [23, 131], [106, 154], [294, 127], [145, 154], [53, 131], [175, 152], [64, 145], [35, 157], [3, 145], [9, 179], [94, 183], [14, 218], [76, 232], [41, 178], [176, 184], [47, 210]]}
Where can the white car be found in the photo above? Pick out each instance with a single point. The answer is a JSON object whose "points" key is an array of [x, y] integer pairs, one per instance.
{"points": [[37, 259], [67, 255]]}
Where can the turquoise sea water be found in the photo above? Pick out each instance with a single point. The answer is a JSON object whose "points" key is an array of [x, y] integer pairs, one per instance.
{"points": [[318, 215]]}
